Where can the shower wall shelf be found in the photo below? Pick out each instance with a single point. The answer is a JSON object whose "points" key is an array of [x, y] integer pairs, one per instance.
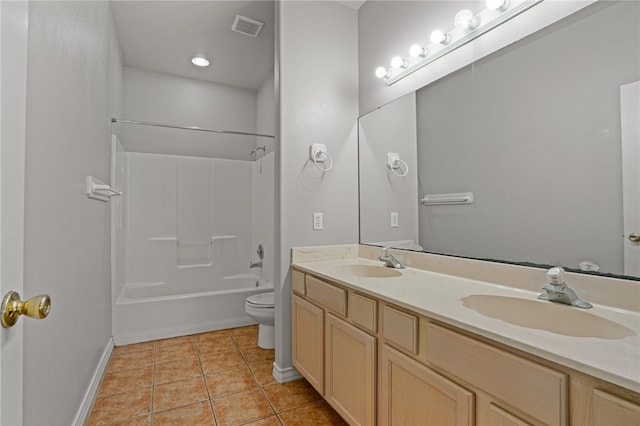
{"points": [[98, 190], [193, 141]]}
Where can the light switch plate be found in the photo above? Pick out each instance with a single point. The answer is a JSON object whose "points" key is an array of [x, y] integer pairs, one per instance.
{"points": [[394, 219]]}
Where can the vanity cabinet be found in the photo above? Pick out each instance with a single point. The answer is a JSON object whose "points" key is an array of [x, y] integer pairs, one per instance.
{"points": [[337, 357], [413, 394], [378, 363]]}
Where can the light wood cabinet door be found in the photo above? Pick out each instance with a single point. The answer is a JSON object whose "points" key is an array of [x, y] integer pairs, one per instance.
{"points": [[308, 341], [497, 416], [609, 410], [350, 371], [413, 394]]}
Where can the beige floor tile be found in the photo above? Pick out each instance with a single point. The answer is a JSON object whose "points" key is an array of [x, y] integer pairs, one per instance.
{"points": [[224, 343], [240, 408], [211, 335], [173, 341], [267, 421], [136, 421], [175, 352], [263, 372], [122, 406], [124, 381], [199, 414], [246, 340], [286, 396], [135, 347], [130, 361], [316, 414], [177, 370], [230, 381], [177, 394], [256, 354], [239, 331], [220, 361]]}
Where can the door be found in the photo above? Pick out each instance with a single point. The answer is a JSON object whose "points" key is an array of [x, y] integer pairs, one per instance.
{"points": [[308, 344], [13, 71], [630, 125]]}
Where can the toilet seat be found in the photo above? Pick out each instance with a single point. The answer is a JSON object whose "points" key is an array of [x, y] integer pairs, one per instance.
{"points": [[262, 300]]}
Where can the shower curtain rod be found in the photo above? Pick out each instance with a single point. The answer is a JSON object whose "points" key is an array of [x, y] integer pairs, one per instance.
{"points": [[200, 129]]}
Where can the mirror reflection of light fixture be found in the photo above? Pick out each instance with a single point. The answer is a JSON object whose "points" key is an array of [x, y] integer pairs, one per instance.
{"points": [[439, 37], [398, 62], [417, 51], [467, 27], [465, 19], [497, 4]]}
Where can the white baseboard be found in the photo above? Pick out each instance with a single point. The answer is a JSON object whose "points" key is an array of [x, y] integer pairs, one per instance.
{"points": [[284, 375], [90, 395]]}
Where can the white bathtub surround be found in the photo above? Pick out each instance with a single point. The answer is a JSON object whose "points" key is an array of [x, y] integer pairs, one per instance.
{"points": [[183, 241], [435, 285]]}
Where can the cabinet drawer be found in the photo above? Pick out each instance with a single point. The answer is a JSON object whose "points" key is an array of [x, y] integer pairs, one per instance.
{"points": [[536, 390], [400, 328], [297, 282], [362, 311], [327, 295]]}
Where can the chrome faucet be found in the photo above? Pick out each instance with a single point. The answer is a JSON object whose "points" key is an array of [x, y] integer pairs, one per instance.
{"points": [[558, 291], [389, 260]]}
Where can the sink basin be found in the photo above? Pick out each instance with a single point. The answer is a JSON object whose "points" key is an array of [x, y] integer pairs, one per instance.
{"points": [[553, 317], [368, 271]]}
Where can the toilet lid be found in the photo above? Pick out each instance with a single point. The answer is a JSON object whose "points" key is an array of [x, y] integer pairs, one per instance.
{"points": [[263, 299]]}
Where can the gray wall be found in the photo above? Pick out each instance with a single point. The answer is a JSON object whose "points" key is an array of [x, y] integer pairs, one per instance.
{"points": [[534, 132], [73, 85], [318, 100]]}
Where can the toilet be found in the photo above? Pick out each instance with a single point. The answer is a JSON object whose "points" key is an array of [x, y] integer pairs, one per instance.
{"points": [[261, 307]]}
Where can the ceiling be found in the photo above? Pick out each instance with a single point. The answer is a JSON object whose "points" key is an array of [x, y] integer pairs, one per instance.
{"points": [[163, 36]]}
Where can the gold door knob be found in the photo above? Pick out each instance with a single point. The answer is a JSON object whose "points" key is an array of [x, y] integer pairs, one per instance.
{"points": [[12, 307], [635, 237]]}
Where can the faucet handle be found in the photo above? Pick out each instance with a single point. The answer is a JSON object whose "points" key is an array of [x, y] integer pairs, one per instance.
{"points": [[555, 275], [385, 251]]}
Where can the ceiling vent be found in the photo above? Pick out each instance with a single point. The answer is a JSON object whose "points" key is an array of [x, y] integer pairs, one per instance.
{"points": [[247, 26]]}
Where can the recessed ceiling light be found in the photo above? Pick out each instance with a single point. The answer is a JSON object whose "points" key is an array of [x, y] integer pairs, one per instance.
{"points": [[200, 61]]}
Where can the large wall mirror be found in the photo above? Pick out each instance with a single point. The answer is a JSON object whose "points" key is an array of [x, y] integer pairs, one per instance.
{"points": [[545, 136]]}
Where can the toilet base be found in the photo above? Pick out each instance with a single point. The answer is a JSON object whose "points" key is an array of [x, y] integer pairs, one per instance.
{"points": [[266, 336]]}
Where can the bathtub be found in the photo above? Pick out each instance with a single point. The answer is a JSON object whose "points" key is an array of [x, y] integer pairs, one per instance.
{"points": [[150, 311]]}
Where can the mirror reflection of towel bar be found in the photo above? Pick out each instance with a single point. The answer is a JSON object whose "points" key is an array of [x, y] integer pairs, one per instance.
{"points": [[445, 199]]}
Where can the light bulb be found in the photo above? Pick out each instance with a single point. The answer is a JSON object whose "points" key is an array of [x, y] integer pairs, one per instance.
{"points": [[398, 62], [465, 19], [438, 37], [381, 72], [417, 51], [200, 61], [497, 4]]}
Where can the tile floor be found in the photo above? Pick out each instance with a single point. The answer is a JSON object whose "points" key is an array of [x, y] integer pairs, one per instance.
{"points": [[219, 378]]}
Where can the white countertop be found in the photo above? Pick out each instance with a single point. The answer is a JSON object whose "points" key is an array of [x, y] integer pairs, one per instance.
{"points": [[439, 296]]}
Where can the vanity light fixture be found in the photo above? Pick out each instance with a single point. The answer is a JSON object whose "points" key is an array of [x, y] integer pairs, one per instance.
{"points": [[439, 37], [200, 61], [382, 72], [417, 51], [467, 27], [465, 19], [398, 62]]}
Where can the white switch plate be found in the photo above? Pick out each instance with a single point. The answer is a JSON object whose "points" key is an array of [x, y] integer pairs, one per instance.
{"points": [[394, 219], [317, 221]]}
